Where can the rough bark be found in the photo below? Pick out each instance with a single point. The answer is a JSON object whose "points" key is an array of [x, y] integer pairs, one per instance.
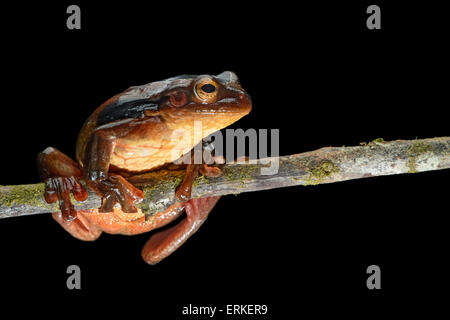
{"points": [[326, 165]]}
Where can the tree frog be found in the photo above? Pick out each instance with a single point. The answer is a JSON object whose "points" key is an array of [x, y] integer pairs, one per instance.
{"points": [[141, 129]]}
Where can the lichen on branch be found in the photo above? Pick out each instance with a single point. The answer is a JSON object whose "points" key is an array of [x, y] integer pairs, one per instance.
{"points": [[326, 165]]}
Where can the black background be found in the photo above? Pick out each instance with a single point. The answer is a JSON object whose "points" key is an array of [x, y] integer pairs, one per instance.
{"points": [[316, 73]]}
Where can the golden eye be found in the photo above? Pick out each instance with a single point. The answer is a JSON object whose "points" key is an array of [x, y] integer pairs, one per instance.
{"points": [[206, 89]]}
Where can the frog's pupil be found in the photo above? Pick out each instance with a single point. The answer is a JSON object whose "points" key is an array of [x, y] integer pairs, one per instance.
{"points": [[208, 88]]}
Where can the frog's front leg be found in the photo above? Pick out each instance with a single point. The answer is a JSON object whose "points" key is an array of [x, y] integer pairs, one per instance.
{"points": [[112, 188], [183, 192], [163, 243], [61, 176]]}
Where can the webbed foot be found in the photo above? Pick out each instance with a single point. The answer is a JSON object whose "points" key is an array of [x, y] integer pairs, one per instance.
{"points": [[59, 188], [80, 228], [116, 189], [61, 176]]}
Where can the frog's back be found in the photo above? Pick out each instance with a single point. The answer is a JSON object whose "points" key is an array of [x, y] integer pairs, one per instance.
{"points": [[129, 104]]}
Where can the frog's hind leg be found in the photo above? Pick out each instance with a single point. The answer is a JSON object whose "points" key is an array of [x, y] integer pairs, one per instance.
{"points": [[61, 176], [163, 243]]}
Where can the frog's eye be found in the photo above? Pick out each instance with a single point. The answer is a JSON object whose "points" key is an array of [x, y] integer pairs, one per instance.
{"points": [[178, 99], [206, 89]]}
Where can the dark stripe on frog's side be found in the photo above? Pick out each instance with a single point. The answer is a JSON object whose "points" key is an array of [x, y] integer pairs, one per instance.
{"points": [[125, 110]]}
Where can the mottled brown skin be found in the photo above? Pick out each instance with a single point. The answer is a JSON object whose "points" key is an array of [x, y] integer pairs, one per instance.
{"points": [[142, 129]]}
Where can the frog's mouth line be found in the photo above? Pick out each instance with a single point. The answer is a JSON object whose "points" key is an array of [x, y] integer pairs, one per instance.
{"points": [[215, 112], [140, 147], [227, 100]]}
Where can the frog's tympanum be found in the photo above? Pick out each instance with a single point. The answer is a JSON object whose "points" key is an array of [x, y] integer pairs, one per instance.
{"points": [[142, 129]]}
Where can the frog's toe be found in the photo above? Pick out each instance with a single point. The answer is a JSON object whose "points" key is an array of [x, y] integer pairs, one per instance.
{"points": [[108, 203], [219, 159], [78, 191], [50, 191], [211, 172]]}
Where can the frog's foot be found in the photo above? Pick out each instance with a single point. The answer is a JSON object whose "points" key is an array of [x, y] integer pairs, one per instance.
{"points": [[116, 189], [163, 243], [81, 228], [59, 188], [61, 176]]}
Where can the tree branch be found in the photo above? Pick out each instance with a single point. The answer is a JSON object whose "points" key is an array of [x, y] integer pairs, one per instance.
{"points": [[326, 165]]}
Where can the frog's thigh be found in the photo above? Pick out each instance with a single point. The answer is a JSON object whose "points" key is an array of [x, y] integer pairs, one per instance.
{"points": [[163, 243], [80, 228]]}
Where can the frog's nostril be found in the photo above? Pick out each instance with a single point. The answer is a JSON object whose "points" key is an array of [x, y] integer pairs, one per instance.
{"points": [[244, 96]]}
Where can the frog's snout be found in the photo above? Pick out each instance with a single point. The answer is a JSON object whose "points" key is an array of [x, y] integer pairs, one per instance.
{"points": [[242, 101], [246, 100]]}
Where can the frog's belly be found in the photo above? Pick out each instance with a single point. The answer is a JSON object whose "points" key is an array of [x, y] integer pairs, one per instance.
{"points": [[147, 155]]}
